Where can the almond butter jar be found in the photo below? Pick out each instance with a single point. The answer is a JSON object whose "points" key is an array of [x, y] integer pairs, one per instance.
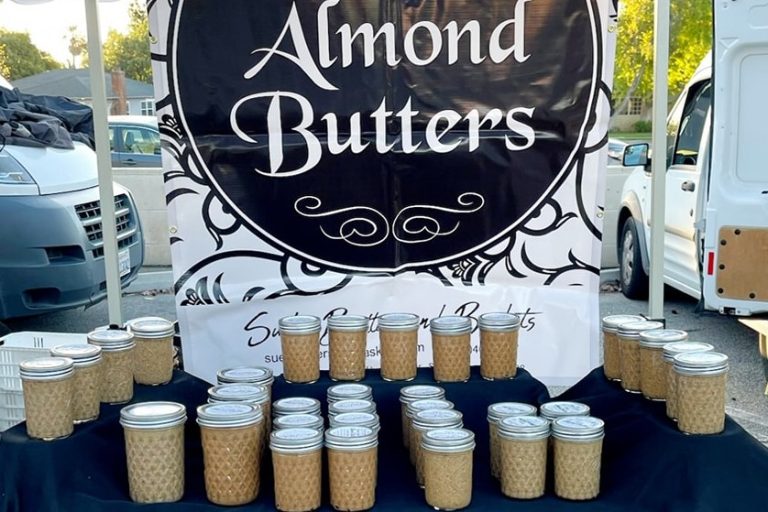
{"points": [[257, 375], [343, 406], [154, 449], [701, 378], [297, 461], [523, 456], [300, 343], [578, 448], [670, 350], [86, 397], [352, 467], [423, 422], [398, 342], [356, 419], [611, 355], [349, 392], [498, 345], [411, 394], [629, 350], [153, 356], [232, 435], [416, 407], [497, 412], [248, 393], [451, 348], [117, 348], [348, 335], [312, 421], [653, 371], [295, 405], [448, 468], [48, 384]]}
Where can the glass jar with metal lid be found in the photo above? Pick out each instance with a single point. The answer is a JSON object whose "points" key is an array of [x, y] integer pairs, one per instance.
{"points": [[523, 456], [154, 448], [258, 375], [448, 468], [153, 356], [296, 405], [86, 397], [232, 436], [352, 463], [701, 378], [249, 393], [347, 339], [498, 345], [611, 356], [422, 405], [48, 385], [300, 343], [343, 406], [451, 348], [578, 448], [629, 352], [411, 394], [424, 421], [297, 451], [349, 392], [653, 372], [398, 342], [670, 350], [558, 409], [313, 421], [117, 348], [356, 419], [497, 412]]}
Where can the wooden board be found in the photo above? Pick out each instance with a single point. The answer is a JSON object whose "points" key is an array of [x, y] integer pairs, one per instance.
{"points": [[742, 263]]}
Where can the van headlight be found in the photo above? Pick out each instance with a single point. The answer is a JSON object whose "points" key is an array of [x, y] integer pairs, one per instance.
{"points": [[12, 173]]}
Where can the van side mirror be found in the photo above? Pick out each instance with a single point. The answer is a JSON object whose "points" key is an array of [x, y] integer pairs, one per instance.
{"points": [[635, 155]]}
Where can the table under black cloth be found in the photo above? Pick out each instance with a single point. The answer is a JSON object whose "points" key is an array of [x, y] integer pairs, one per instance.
{"points": [[647, 464]]}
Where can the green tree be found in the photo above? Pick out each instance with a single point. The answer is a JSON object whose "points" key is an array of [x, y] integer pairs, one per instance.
{"points": [[130, 51], [690, 39], [20, 58], [77, 46]]}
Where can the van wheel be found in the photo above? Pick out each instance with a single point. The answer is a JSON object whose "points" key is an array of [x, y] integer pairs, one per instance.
{"points": [[634, 280]]}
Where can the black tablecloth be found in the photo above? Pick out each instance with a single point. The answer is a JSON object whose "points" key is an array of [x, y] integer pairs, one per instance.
{"points": [[647, 463]]}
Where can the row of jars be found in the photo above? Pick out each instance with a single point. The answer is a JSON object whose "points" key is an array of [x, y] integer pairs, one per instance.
{"points": [[68, 388], [398, 338], [663, 365]]}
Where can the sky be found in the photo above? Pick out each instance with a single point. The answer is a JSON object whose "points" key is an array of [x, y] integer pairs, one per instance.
{"points": [[48, 23]]}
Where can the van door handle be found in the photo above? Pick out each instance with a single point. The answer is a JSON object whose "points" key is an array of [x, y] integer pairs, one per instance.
{"points": [[688, 186], [130, 161]]}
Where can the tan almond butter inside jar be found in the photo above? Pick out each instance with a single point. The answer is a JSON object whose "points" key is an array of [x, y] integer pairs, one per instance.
{"points": [[523, 456], [352, 467], [611, 356], [578, 447], [451, 348], [48, 384], [410, 394], [86, 397], [398, 342], [297, 462], [498, 345], [348, 336], [497, 412], [701, 378], [448, 468], [153, 355], [423, 422], [653, 371], [669, 352], [300, 344], [629, 350], [117, 348]]}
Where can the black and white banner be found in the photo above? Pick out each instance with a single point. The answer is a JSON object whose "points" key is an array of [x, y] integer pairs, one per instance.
{"points": [[369, 156]]}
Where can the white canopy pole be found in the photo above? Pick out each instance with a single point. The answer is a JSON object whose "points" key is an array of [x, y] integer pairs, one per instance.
{"points": [[659, 160]]}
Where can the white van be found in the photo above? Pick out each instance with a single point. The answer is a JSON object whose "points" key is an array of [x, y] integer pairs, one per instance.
{"points": [[716, 226]]}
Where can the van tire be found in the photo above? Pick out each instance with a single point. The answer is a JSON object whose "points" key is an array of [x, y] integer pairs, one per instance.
{"points": [[632, 277]]}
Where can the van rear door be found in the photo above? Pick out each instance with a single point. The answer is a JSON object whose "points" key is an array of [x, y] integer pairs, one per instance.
{"points": [[735, 255]]}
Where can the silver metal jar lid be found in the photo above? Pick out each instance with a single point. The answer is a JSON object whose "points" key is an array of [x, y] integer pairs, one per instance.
{"points": [[348, 323], [501, 322], [450, 325], [524, 427], [611, 323], [349, 392], [363, 419], [501, 410], [578, 428], [246, 375], [399, 322], [112, 340], [552, 410], [296, 405], [351, 438], [427, 404], [153, 415], [151, 327], [313, 421], [632, 330], [295, 440], [83, 354], [437, 418], [299, 324], [343, 406], [229, 415], [657, 338], [419, 392], [238, 393], [46, 368], [701, 363], [681, 347], [451, 440]]}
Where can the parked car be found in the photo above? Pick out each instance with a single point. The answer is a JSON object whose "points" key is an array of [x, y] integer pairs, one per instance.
{"points": [[616, 149], [135, 141]]}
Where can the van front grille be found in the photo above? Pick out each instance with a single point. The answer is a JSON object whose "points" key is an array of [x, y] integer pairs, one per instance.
{"points": [[90, 216]]}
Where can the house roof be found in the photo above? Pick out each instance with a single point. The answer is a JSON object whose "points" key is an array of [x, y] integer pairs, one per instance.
{"points": [[76, 83]]}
